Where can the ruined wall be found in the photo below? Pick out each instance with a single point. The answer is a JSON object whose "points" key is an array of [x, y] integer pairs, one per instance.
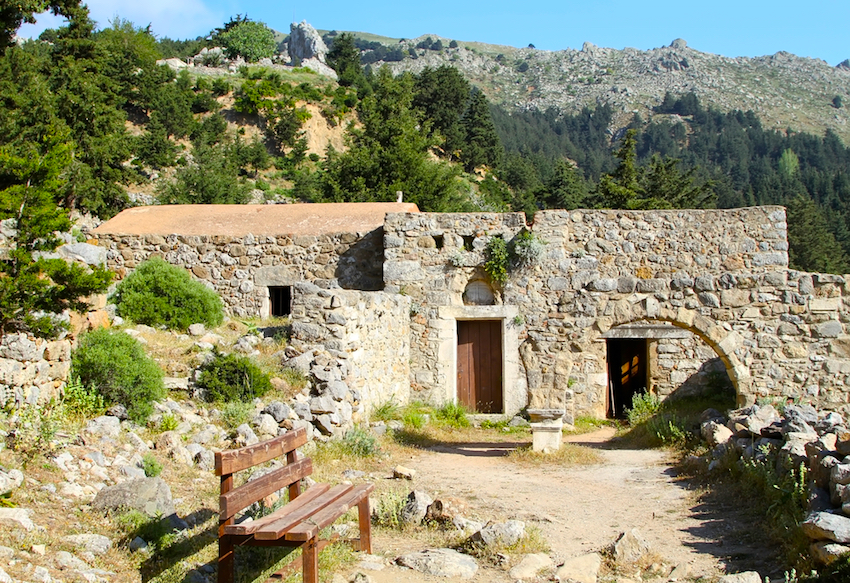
{"points": [[722, 274], [240, 269], [368, 331], [32, 370]]}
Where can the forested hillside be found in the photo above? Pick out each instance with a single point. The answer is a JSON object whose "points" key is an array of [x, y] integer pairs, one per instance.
{"points": [[231, 131]]}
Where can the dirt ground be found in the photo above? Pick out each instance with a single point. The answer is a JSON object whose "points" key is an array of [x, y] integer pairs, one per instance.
{"points": [[584, 509]]}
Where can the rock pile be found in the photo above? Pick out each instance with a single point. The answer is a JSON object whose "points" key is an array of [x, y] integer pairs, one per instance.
{"points": [[800, 437]]}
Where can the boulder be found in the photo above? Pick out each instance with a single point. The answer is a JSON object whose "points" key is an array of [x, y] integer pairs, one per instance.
{"points": [[827, 526], [11, 518], [306, 43], [715, 433], [152, 496], [96, 544], [440, 562], [825, 553]]}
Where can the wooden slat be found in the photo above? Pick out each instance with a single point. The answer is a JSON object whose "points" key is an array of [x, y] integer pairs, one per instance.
{"points": [[292, 506], [227, 462], [250, 492], [325, 517], [283, 524]]}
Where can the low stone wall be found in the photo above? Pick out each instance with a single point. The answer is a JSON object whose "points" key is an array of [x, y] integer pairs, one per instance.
{"points": [[368, 331], [32, 370], [240, 269]]}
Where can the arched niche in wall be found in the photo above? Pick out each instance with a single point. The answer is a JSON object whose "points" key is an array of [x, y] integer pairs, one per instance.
{"points": [[478, 293]]}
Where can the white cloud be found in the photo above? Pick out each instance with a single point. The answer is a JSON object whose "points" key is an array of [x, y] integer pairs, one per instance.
{"points": [[172, 18]]}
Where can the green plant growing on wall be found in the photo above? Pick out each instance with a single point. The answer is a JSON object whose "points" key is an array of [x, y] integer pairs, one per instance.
{"points": [[526, 248], [496, 264]]}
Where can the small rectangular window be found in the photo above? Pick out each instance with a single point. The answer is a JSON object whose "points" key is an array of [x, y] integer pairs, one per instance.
{"points": [[281, 300]]}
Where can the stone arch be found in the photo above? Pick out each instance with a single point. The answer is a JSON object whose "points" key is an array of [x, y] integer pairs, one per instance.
{"points": [[723, 341]]}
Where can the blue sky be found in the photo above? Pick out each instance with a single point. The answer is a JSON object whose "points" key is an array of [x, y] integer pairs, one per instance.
{"points": [[817, 28]]}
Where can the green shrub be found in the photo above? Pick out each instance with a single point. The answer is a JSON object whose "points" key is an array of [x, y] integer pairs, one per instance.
{"points": [[229, 377], [360, 443], [236, 413], [386, 411], [644, 406], [169, 422], [151, 465], [116, 366], [81, 402], [158, 293], [496, 265], [452, 415]]}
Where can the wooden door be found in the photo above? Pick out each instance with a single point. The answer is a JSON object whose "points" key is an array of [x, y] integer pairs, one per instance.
{"points": [[479, 365]]}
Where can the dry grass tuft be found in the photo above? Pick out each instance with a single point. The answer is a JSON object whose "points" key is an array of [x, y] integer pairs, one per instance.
{"points": [[570, 454]]}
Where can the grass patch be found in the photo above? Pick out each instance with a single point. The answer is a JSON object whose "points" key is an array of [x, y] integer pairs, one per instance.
{"points": [[673, 422], [452, 415], [569, 454], [585, 424]]}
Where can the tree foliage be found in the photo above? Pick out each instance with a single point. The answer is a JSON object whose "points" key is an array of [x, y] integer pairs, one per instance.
{"points": [[389, 153], [248, 39], [34, 287]]}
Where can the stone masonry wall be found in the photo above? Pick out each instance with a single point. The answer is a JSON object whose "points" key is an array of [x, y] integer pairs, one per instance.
{"points": [[368, 331], [722, 274], [32, 370], [241, 268]]}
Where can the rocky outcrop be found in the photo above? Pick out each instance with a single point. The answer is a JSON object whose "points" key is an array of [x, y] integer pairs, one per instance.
{"points": [[306, 43]]}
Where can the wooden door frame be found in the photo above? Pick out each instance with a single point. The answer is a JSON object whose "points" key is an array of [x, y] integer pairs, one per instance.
{"points": [[481, 350], [514, 385]]}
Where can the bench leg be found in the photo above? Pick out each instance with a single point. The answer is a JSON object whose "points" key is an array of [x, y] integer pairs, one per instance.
{"points": [[226, 560], [310, 561], [364, 518]]}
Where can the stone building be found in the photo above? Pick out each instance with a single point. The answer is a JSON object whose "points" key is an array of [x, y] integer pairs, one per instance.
{"points": [[611, 302]]}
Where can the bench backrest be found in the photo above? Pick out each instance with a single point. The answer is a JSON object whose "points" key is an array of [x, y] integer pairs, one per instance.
{"points": [[227, 463]]}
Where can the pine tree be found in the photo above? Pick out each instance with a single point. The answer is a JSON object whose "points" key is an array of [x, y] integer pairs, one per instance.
{"points": [[482, 145], [34, 288]]}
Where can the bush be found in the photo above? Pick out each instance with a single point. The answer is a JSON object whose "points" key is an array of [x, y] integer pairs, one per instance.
{"points": [[229, 377], [158, 293], [151, 465], [81, 402], [116, 366]]}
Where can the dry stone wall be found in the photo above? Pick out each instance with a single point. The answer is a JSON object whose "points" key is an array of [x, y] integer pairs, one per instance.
{"points": [[32, 370], [241, 269], [368, 331], [722, 274]]}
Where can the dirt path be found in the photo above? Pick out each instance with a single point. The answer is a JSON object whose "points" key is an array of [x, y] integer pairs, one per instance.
{"points": [[583, 509]]}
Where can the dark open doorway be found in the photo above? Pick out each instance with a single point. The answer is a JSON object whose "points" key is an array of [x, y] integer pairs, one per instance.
{"points": [[627, 373], [280, 298]]}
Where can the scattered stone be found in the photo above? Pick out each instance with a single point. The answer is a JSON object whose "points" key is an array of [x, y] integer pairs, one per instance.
{"points": [[16, 518], [581, 569], [401, 472], [745, 577], [104, 426], [440, 562], [826, 553], [416, 507], [499, 534], [10, 481], [138, 544], [531, 565], [93, 543], [824, 525], [680, 572], [5, 578], [630, 547]]}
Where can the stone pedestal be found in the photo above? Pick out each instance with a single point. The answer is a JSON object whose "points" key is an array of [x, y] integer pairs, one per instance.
{"points": [[546, 425]]}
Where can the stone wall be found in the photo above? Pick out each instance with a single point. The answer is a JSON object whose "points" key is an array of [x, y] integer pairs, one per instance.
{"points": [[241, 269], [721, 274], [368, 331], [32, 370]]}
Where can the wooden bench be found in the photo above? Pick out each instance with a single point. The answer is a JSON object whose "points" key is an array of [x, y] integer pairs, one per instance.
{"points": [[297, 523]]}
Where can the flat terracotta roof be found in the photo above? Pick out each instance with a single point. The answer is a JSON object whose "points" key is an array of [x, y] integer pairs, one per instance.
{"points": [[236, 220]]}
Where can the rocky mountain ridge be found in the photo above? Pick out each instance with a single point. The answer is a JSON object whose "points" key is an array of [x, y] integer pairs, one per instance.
{"points": [[784, 90]]}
